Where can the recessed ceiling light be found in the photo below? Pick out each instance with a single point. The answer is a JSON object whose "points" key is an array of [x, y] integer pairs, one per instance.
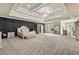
{"points": [[44, 15], [28, 5]]}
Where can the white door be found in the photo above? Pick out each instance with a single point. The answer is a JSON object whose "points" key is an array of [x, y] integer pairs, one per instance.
{"points": [[41, 28]]}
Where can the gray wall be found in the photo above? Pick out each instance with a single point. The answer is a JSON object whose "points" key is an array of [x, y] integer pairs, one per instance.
{"points": [[10, 25]]}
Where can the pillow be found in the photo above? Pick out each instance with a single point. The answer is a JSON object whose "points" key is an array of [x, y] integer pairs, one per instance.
{"points": [[24, 30], [19, 30]]}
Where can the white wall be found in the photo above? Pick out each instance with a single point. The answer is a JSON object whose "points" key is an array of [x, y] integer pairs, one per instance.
{"points": [[50, 25], [68, 25]]}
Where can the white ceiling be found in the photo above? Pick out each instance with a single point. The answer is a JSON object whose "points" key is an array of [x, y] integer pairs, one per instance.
{"points": [[40, 12], [5, 8]]}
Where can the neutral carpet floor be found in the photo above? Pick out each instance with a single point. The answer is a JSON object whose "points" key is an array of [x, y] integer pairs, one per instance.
{"points": [[43, 44]]}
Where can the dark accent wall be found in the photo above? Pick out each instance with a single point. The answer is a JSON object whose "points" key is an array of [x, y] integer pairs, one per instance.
{"points": [[10, 25]]}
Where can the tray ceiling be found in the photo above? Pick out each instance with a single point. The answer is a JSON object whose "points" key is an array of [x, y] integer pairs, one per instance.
{"points": [[42, 12]]}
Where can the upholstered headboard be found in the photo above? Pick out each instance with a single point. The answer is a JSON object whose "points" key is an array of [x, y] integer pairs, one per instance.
{"points": [[23, 29]]}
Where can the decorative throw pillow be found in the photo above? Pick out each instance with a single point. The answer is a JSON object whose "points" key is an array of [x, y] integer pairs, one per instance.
{"points": [[19, 30], [23, 29]]}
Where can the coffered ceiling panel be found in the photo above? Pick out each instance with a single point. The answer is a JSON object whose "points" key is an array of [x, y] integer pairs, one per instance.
{"points": [[52, 10], [45, 11], [30, 6], [40, 11]]}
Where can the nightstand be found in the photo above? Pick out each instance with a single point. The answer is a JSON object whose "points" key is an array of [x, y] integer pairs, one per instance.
{"points": [[11, 34]]}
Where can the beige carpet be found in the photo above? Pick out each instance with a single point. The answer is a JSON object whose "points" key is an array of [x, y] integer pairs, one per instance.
{"points": [[43, 44]]}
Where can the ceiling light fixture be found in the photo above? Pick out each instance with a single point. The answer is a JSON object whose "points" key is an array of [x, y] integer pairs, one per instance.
{"points": [[28, 5]]}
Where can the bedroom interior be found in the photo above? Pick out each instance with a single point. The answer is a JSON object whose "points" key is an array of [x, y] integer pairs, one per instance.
{"points": [[39, 29]]}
